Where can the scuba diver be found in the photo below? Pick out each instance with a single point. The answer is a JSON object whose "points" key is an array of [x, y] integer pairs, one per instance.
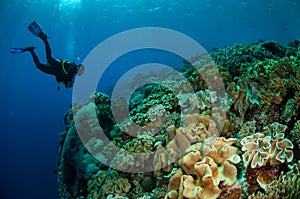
{"points": [[63, 70]]}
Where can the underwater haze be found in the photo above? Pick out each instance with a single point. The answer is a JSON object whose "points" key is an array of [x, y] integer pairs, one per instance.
{"points": [[32, 109]]}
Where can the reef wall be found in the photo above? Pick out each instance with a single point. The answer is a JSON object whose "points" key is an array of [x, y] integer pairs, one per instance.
{"points": [[246, 149]]}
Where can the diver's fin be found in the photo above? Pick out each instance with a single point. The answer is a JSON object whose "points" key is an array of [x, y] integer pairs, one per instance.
{"points": [[37, 30], [22, 50], [29, 48], [17, 50]]}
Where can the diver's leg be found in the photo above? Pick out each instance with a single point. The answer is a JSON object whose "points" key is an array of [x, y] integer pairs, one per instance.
{"points": [[49, 57], [43, 67], [54, 63], [34, 56], [48, 50]]}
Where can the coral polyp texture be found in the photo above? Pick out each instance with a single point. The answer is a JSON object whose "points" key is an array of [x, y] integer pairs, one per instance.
{"points": [[194, 142]]}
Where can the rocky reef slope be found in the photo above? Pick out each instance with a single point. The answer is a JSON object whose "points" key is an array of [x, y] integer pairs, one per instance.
{"points": [[200, 145]]}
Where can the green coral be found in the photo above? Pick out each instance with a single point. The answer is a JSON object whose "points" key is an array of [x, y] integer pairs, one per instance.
{"points": [[107, 182], [295, 138], [104, 111]]}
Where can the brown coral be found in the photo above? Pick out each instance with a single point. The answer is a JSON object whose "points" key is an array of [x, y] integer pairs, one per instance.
{"points": [[287, 186], [191, 190], [161, 161], [224, 173]]}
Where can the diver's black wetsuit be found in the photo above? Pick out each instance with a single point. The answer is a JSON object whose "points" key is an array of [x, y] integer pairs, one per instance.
{"points": [[63, 71]]}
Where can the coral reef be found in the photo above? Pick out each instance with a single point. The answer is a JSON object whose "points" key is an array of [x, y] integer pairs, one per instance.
{"points": [[197, 142], [75, 165]]}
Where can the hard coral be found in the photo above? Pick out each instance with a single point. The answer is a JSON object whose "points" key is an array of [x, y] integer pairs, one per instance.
{"points": [[287, 186], [104, 183], [295, 138], [290, 111], [196, 102], [74, 158]]}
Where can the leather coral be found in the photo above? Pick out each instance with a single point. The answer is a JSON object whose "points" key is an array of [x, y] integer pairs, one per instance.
{"points": [[267, 147], [206, 168]]}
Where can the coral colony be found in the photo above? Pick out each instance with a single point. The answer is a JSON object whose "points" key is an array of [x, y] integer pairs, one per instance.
{"points": [[255, 154]]}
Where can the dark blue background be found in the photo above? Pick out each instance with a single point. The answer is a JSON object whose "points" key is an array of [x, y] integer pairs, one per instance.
{"points": [[32, 109]]}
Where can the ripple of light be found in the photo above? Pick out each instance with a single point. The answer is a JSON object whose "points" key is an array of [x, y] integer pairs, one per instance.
{"points": [[70, 4]]}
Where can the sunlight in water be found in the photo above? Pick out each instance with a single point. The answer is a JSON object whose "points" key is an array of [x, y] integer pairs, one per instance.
{"points": [[68, 12], [70, 4]]}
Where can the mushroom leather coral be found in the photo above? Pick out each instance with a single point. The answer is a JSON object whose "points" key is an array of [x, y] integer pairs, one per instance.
{"points": [[282, 148], [225, 174], [204, 168], [196, 128], [192, 191], [256, 149], [270, 147], [220, 150]]}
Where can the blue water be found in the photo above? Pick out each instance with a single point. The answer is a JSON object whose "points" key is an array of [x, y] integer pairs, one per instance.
{"points": [[32, 109]]}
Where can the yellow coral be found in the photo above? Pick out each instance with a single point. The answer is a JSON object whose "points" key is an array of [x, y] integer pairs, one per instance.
{"points": [[196, 129], [220, 150], [207, 166]]}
